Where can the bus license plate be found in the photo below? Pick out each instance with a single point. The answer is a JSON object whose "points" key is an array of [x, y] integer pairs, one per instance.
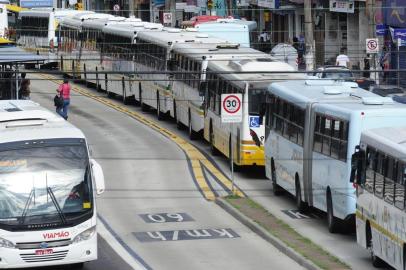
{"points": [[44, 251]]}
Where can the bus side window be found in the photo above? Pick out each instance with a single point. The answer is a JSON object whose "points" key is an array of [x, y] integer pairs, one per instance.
{"points": [[379, 179], [370, 174], [317, 135], [400, 185], [389, 185], [326, 127]]}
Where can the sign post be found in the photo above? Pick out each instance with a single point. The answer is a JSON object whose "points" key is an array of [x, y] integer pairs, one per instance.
{"points": [[231, 112], [373, 48]]}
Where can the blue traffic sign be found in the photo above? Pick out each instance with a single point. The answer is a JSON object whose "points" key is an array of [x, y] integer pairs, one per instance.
{"points": [[254, 121]]}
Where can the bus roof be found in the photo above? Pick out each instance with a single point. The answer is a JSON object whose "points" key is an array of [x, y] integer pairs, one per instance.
{"points": [[216, 51], [345, 95], [59, 13], [77, 20], [131, 29], [228, 23], [390, 140], [256, 70], [169, 36], [26, 120]]}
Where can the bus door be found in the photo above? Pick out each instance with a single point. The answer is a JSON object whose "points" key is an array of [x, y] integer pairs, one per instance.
{"points": [[308, 152]]}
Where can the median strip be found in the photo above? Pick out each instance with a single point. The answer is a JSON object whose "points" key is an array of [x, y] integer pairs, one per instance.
{"points": [[280, 234]]}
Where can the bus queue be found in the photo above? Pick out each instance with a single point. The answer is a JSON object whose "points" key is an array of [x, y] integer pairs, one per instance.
{"points": [[325, 142]]}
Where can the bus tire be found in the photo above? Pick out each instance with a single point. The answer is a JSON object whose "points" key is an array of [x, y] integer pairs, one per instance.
{"points": [[332, 221], [179, 125], [236, 167], [213, 148], [159, 114], [276, 189], [376, 261], [192, 133], [300, 204]]}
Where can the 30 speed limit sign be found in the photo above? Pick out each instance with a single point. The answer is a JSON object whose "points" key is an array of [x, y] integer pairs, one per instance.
{"points": [[231, 108]]}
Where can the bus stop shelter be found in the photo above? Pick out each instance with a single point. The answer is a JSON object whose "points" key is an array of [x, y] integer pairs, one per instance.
{"points": [[12, 58]]}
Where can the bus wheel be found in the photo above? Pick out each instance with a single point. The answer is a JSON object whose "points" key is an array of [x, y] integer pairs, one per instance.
{"points": [[300, 204], [159, 114], [276, 189], [376, 261], [192, 134], [333, 222]]}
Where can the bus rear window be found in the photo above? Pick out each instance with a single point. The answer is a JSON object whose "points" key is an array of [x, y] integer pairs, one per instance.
{"points": [[256, 97]]}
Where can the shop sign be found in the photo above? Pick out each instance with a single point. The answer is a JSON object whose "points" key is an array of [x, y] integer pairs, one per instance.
{"points": [[268, 3], [342, 6], [381, 29], [36, 3], [243, 3]]}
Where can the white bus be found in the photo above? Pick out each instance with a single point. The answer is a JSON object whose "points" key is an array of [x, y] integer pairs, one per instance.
{"points": [[73, 51], [380, 166], [232, 30], [312, 129], [38, 28], [48, 185], [250, 77]]}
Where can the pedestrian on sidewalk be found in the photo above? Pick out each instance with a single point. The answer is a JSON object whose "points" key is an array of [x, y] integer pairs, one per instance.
{"points": [[64, 92], [342, 59], [367, 66]]}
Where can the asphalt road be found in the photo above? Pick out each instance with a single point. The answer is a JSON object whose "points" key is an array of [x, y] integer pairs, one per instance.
{"points": [[152, 213]]}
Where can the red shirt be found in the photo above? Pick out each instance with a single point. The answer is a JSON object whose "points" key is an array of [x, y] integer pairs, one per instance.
{"points": [[64, 90]]}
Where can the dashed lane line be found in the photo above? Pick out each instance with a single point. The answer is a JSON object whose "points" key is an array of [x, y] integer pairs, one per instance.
{"points": [[197, 160]]}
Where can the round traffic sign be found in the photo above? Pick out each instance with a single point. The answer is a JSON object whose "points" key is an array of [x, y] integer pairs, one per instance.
{"points": [[231, 104], [372, 45], [116, 7]]}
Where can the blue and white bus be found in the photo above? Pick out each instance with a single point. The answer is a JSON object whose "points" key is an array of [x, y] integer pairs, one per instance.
{"points": [[312, 128]]}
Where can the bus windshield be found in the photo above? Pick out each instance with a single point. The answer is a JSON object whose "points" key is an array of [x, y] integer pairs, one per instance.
{"points": [[44, 185], [256, 98]]}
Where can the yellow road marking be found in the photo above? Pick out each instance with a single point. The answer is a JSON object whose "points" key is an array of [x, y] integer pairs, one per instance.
{"points": [[195, 155]]}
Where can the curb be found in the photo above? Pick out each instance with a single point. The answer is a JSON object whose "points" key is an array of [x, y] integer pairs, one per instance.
{"points": [[256, 228]]}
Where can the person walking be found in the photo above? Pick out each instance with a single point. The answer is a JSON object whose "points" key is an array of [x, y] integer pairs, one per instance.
{"points": [[64, 92], [385, 64], [343, 60], [25, 89]]}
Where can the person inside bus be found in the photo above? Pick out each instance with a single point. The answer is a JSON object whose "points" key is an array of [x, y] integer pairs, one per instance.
{"points": [[25, 89]]}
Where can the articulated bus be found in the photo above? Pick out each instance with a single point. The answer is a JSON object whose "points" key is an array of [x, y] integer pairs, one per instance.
{"points": [[312, 128], [48, 185], [380, 166], [38, 31], [73, 50], [250, 77]]}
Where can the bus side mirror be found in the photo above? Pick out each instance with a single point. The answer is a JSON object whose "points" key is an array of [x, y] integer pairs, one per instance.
{"points": [[98, 175], [357, 166], [202, 89]]}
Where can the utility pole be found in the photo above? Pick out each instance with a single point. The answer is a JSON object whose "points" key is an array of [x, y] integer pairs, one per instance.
{"points": [[371, 34], [309, 36]]}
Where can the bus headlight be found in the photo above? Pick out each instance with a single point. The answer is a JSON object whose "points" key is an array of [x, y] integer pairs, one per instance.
{"points": [[6, 243], [85, 235]]}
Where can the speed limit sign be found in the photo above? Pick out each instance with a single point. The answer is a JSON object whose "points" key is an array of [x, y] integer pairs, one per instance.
{"points": [[231, 108]]}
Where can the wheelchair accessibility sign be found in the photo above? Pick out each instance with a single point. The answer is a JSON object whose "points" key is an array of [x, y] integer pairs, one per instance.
{"points": [[254, 121]]}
